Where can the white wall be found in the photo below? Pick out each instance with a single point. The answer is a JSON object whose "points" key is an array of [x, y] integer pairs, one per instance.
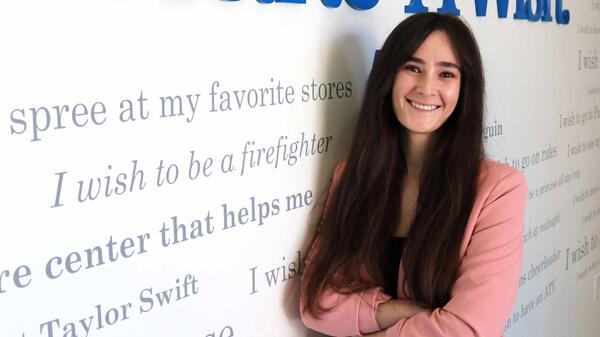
{"points": [[120, 54]]}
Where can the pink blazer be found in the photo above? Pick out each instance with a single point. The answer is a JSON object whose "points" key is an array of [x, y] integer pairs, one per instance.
{"points": [[484, 292]]}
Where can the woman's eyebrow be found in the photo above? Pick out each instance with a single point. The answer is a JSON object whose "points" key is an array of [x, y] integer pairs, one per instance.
{"points": [[442, 64]]}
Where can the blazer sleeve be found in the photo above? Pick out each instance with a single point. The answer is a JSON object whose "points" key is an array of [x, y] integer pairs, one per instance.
{"points": [[484, 292], [350, 314]]}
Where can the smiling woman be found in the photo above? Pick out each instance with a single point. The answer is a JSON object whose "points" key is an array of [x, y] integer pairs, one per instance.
{"points": [[421, 235], [426, 89]]}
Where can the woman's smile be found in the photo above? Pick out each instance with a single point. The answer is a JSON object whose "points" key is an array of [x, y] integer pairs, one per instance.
{"points": [[422, 106]]}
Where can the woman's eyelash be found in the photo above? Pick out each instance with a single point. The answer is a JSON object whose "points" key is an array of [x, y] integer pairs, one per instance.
{"points": [[415, 69]]}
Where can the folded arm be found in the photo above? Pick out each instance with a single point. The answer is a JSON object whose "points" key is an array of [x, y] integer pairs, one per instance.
{"points": [[487, 284], [350, 314]]}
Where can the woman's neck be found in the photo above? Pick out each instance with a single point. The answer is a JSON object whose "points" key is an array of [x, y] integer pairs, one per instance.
{"points": [[415, 148]]}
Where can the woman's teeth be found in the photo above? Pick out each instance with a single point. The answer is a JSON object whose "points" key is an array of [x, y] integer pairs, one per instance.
{"points": [[422, 106]]}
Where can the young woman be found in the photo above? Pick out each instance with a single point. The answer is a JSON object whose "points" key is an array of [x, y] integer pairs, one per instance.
{"points": [[421, 235]]}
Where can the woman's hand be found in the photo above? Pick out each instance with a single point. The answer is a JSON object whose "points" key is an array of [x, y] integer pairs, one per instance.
{"points": [[390, 312]]}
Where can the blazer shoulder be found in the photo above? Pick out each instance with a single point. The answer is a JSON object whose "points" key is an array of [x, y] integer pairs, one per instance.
{"points": [[497, 179]]}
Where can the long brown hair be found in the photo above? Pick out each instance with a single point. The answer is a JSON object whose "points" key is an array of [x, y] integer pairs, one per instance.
{"points": [[364, 209]]}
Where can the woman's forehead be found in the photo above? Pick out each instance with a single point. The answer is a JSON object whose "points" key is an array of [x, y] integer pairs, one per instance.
{"points": [[437, 49]]}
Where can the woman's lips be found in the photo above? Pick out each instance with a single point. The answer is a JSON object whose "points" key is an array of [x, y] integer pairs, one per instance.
{"points": [[421, 106]]}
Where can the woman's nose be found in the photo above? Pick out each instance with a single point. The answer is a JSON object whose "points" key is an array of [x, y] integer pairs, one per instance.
{"points": [[426, 85]]}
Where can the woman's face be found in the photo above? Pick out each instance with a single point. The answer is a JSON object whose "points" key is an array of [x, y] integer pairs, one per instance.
{"points": [[426, 88]]}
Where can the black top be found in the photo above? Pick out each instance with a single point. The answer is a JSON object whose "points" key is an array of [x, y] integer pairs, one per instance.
{"points": [[392, 267]]}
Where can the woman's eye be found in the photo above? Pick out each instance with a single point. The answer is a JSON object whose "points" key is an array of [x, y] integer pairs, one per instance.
{"points": [[447, 74], [412, 68]]}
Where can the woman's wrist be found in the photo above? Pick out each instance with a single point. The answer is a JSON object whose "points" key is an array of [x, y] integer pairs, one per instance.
{"points": [[390, 312]]}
